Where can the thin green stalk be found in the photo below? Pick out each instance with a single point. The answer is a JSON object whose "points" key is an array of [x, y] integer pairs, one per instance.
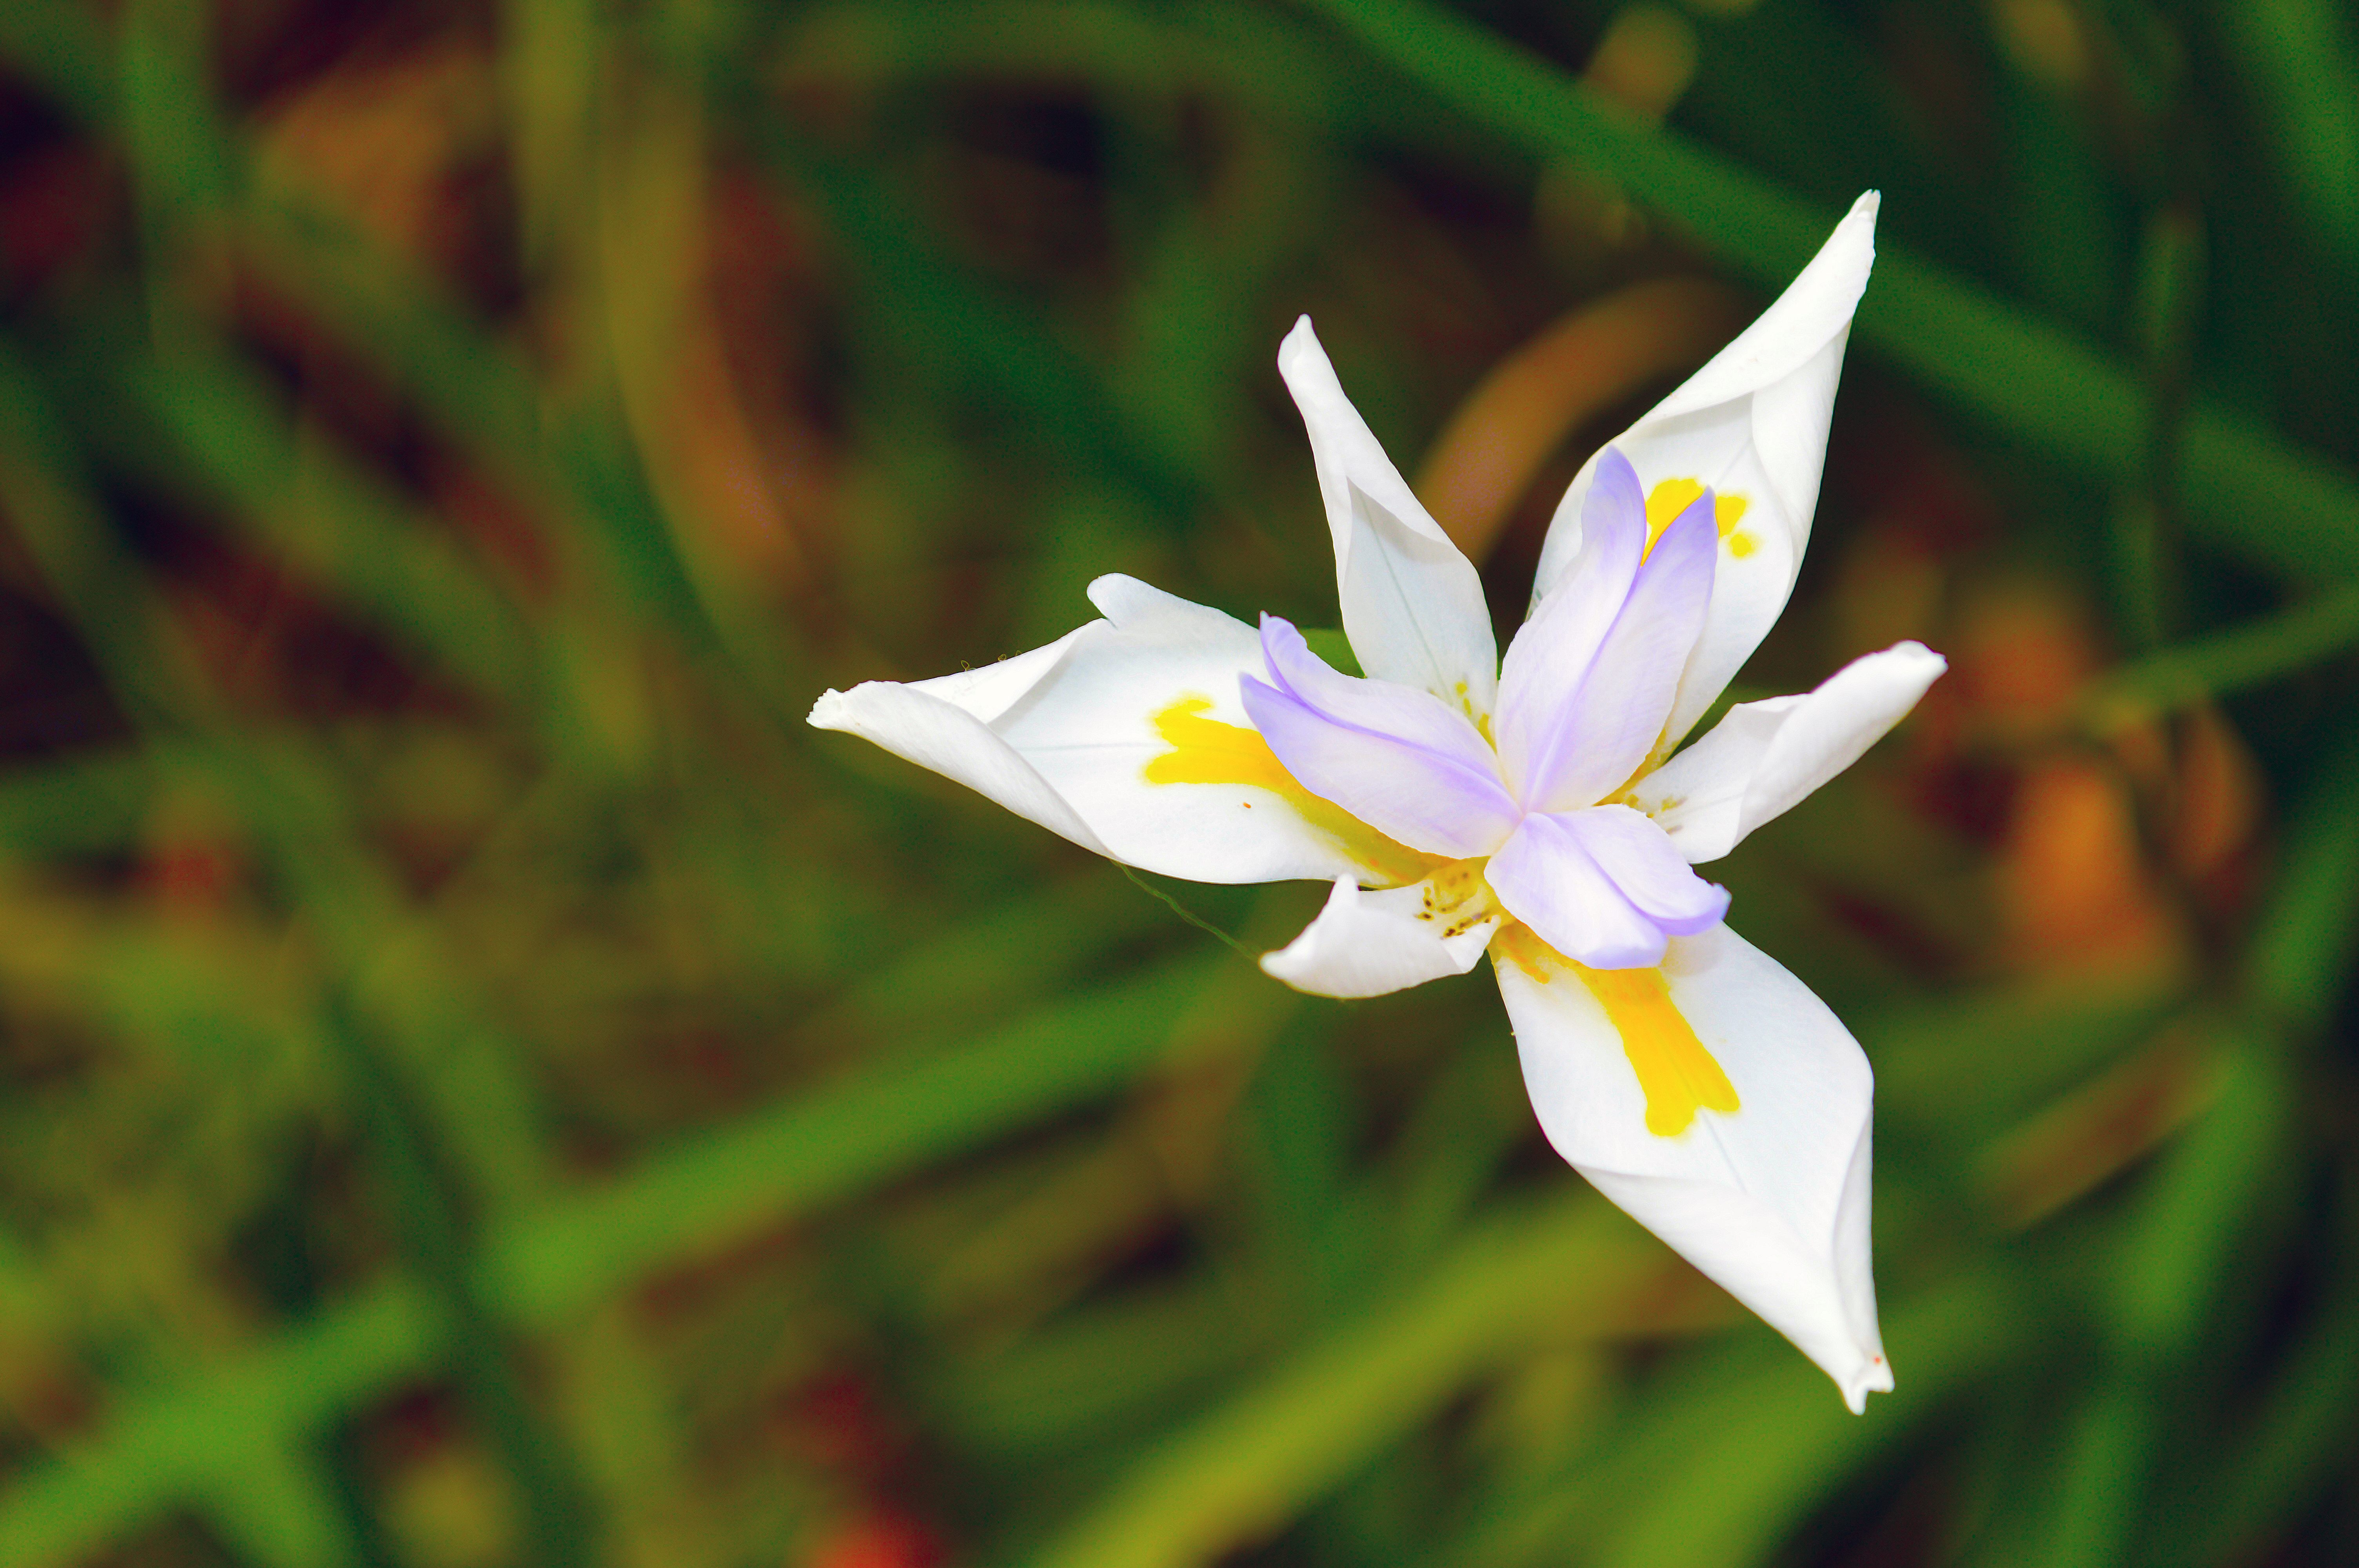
{"points": [[2145, 519], [2247, 656], [1189, 915], [426, 1207]]}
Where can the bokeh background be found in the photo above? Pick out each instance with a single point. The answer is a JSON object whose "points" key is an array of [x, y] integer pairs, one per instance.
{"points": [[482, 1084]]}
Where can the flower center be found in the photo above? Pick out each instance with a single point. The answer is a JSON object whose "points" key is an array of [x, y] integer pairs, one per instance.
{"points": [[1675, 1071]]}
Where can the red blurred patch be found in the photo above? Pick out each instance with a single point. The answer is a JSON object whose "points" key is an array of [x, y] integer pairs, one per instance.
{"points": [[880, 1540]]}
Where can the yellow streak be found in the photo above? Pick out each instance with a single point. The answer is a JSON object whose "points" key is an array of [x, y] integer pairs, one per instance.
{"points": [[1673, 496], [1205, 751], [1666, 501], [1519, 945], [1676, 1075]]}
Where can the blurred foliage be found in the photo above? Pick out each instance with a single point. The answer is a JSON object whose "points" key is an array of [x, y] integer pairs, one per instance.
{"points": [[485, 1085]]}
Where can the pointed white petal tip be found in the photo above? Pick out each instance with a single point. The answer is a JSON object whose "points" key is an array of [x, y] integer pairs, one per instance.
{"points": [[1857, 232], [1299, 340], [1873, 1376], [827, 713]]}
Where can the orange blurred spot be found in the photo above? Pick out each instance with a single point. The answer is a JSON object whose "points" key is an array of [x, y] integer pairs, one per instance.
{"points": [[2020, 657], [1644, 59], [1496, 443], [386, 136], [2219, 803], [2073, 889]]}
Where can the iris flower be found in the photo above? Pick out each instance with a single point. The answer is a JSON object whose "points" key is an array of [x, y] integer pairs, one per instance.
{"points": [[1540, 809]]}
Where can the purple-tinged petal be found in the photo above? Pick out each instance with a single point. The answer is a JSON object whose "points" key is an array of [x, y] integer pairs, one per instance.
{"points": [[1752, 424], [1546, 878], [1604, 887], [1640, 860], [1405, 713], [1399, 760], [1553, 652], [1588, 741]]}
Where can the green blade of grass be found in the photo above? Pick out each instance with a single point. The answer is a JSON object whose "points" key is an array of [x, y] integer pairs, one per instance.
{"points": [[2179, 1243], [2296, 57], [2229, 661], [874, 1123], [280, 1510], [1256, 1460], [2299, 961], [157, 1453], [1726, 1457], [2287, 511], [870, 1128]]}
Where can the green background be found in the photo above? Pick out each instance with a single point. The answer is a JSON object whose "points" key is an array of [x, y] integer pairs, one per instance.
{"points": [[483, 1083]]}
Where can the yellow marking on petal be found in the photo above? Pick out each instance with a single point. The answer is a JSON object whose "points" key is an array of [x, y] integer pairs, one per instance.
{"points": [[1677, 1074], [1519, 945], [1673, 496], [1205, 751], [1666, 501]]}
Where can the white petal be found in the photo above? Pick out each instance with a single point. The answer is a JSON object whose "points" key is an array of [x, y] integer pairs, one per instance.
{"points": [[1366, 944], [1412, 603], [1063, 735], [1764, 758], [940, 736], [1770, 1200], [1752, 422]]}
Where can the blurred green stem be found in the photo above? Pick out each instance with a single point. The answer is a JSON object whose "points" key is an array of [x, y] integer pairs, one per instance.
{"points": [[2247, 656], [2145, 522], [2295, 59], [133, 636], [2248, 489], [560, 1530]]}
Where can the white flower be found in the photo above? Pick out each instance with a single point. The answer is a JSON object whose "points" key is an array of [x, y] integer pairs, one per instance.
{"points": [[1534, 809]]}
